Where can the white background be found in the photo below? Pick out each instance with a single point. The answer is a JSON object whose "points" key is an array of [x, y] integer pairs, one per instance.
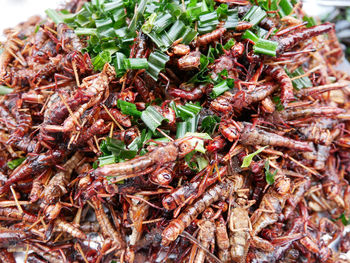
{"points": [[13, 12]]}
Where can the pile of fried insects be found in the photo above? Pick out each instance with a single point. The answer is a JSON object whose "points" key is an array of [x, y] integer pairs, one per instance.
{"points": [[174, 131]]}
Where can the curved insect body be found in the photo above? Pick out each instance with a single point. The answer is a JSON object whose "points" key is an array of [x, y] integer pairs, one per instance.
{"points": [[241, 99], [222, 240], [331, 184], [94, 88], [58, 183], [22, 117], [287, 43], [220, 64], [239, 233], [299, 190], [160, 155], [12, 237], [205, 235], [305, 112], [33, 166], [213, 194], [14, 214], [138, 212], [279, 74], [106, 226], [12, 46], [189, 61], [68, 40], [194, 94], [250, 135], [181, 50], [211, 37], [217, 144], [271, 205], [163, 175], [188, 192], [69, 228]]}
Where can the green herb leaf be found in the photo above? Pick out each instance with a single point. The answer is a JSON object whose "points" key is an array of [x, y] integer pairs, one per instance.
{"points": [[5, 90], [156, 63], [148, 25], [248, 159], [128, 108], [136, 63], [152, 118], [255, 15], [266, 47], [278, 103], [14, 163], [220, 88], [54, 15], [229, 44], [210, 124], [114, 151], [270, 178], [300, 83], [250, 35], [101, 59], [310, 21], [344, 220], [285, 8], [197, 140]]}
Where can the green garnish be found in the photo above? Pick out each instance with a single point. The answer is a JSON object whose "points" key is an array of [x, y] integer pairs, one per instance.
{"points": [[249, 158], [14, 163], [270, 177]]}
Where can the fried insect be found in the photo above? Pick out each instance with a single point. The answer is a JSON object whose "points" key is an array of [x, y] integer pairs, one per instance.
{"points": [[213, 194], [241, 99], [250, 135], [210, 37], [160, 155], [279, 74], [222, 240], [287, 43], [58, 183]]}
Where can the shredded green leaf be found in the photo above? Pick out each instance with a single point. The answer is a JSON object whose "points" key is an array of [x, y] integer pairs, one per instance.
{"points": [[210, 124], [152, 118], [114, 151], [128, 108], [344, 220], [5, 90], [278, 103], [14, 163], [300, 83], [54, 15], [249, 158], [270, 178]]}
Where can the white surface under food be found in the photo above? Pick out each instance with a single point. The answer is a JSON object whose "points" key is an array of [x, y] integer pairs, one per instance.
{"points": [[13, 12]]}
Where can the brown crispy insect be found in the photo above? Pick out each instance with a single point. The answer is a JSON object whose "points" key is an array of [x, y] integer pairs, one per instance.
{"points": [[294, 39], [189, 61], [205, 235], [241, 99], [222, 240], [271, 205], [248, 135], [213, 194], [58, 183], [160, 155], [210, 37], [280, 75], [64, 226], [106, 226]]}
